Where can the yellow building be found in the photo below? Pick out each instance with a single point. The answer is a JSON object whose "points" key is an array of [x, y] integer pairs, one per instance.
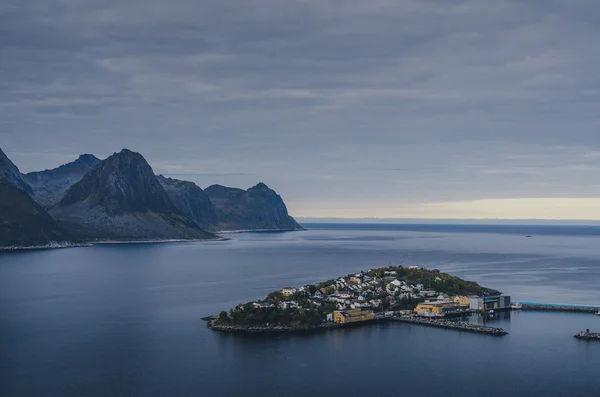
{"points": [[462, 301], [352, 316], [434, 308]]}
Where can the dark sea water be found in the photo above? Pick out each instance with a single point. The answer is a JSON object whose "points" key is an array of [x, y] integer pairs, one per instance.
{"points": [[116, 320]]}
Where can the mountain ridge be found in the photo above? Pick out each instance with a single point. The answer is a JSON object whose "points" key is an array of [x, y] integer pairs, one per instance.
{"points": [[49, 186], [257, 208], [190, 199], [122, 199]]}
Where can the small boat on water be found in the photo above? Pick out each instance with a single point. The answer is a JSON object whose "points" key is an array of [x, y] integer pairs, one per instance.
{"points": [[598, 314], [516, 306]]}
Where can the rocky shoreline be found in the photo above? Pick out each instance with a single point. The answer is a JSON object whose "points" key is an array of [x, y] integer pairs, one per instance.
{"points": [[572, 309], [588, 336], [214, 326], [439, 323]]}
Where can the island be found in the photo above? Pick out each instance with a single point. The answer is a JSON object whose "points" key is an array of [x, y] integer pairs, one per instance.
{"points": [[411, 294], [588, 335]]}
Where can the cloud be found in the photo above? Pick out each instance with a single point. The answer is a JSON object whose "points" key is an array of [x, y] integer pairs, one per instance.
{"points": [[403, 101]]}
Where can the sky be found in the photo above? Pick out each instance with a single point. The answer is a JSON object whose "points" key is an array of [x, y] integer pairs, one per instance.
{"points": [[379, 108]]}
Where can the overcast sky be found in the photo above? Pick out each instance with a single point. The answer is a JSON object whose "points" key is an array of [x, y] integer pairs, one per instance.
{"points": [[385, 108]]}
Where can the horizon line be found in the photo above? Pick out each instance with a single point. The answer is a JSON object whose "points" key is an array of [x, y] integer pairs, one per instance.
{"points": [[524, 221]]}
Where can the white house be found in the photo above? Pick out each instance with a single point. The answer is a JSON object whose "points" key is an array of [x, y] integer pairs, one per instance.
{"points": [[287, 291]]}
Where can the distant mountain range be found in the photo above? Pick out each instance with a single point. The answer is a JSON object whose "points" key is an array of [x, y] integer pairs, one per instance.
{"points": [[121, 199], [50, 185]]}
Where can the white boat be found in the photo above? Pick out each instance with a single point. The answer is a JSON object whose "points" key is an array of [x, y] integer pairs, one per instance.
{"points": [[598, 314], [516, 306]]}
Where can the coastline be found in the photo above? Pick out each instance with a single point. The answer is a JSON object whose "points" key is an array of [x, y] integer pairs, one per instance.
{"points": [[50, 246], [257, 231], [218, 238], [437, 323], [100, 242]]}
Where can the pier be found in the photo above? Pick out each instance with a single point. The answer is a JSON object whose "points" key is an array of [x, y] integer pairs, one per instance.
{"points": [[458, 326], [559, 307]]}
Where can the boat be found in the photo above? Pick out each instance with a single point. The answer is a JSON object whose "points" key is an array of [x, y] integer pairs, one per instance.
{"points": [[598, 314], [516, 306]]}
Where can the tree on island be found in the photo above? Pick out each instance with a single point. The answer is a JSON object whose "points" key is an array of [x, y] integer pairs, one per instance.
{"points": [[223, 317]]}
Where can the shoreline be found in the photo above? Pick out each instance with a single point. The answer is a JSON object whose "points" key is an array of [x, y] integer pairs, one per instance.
{"points": [[160, 241], [106, 242], [257, 231], [588, 336], [437, 323]]}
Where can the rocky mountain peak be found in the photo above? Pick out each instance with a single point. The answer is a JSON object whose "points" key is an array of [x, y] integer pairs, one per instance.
{"points": [[122, 182]]}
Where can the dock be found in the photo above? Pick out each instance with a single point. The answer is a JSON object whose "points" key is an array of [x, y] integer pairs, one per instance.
{"points": [[559, 307], [454, 325]]}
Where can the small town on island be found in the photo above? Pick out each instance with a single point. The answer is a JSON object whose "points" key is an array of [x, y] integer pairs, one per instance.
{"points": [[395, 293]]}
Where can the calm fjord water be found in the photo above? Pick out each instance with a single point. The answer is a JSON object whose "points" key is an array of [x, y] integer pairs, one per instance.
{"points": [[125, 319]]}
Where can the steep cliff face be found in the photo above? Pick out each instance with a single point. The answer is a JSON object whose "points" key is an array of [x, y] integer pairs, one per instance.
{"points": [[23, 222], [121, 199], [49, 186], [258, 208], [191, 200], [10, 173]]}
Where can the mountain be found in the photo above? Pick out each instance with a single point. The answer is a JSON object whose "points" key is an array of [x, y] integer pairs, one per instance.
{"points": [[258, 208], [122, 199], [49, 186], [191, 200], [23, 222], [10, 172]]}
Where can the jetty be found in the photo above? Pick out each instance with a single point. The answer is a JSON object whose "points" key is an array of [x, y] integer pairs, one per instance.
{"points": [[455, 325], [559, 307]]}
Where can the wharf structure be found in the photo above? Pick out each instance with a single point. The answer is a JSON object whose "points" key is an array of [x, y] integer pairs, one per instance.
{"points": [[560, 307]]}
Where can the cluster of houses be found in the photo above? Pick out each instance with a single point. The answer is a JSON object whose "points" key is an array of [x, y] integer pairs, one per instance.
{"points": [[360, 294]]}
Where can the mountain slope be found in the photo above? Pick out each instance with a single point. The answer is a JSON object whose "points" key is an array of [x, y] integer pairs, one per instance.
{"points": [[49, 186], [121, 199], [191, 200], [258, 208], [23, 222], [10, 172]]}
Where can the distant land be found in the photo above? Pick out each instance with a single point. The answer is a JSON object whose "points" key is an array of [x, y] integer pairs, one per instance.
{"points": [[429, 221], [121, 199]]}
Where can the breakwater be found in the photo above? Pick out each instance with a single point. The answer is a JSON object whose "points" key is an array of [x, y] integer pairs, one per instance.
{"points": [[458, 326], [560, 308]]}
